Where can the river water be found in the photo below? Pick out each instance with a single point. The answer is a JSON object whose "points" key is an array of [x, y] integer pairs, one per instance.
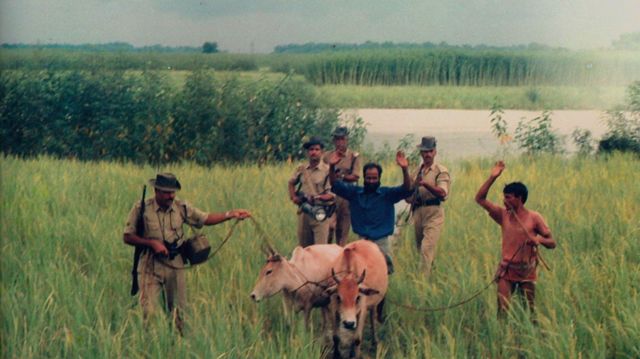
{"points": [[464, 133]]}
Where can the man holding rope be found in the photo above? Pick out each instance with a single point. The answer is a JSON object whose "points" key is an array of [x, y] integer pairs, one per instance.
{"points": [[158, 269], [522, 231]]}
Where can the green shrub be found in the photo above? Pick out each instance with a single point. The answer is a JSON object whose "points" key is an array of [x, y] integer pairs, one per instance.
{"points": [[583, 140], [624, 125], [536, 135]]}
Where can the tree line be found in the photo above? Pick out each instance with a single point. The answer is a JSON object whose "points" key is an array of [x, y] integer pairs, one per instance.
{"points": [[115, 115]]}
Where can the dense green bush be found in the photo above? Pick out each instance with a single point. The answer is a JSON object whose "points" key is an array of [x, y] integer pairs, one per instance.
{"points": [[115, 115], [624, 125]]}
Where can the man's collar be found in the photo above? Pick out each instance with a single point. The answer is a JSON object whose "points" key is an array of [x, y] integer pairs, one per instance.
{"points": [[320, 165], [432, 167], [360, 190], [157, 208]]}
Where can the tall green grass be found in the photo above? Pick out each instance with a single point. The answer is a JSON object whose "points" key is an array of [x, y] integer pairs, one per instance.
{"points": [[65, 271], [458, 67]]}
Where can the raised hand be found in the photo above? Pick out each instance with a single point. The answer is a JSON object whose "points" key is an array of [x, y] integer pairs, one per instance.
{"points": [[334, 158], [497, 169], [401, 160]]}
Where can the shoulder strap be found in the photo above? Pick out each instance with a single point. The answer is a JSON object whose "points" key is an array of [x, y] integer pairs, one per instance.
{"points": [[324, 184], [185, 218]]}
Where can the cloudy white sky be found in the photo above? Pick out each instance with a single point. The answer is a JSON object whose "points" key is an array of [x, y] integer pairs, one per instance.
{"points": [[259, 25]]}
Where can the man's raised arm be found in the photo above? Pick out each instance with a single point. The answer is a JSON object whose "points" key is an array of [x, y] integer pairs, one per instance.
{"points": [[402, 161], [481, 196], [333, 160]]}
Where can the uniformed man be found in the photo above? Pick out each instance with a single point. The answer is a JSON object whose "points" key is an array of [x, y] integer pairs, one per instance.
{"points": [[431, 188], [312, 192], [164, 216], [347, 171]]}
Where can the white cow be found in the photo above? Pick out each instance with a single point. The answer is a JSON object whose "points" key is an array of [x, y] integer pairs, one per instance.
{"points": [[302, 279]]}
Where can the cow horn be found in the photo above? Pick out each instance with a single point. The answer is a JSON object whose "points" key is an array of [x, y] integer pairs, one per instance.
{"points": [[268, 250], [335, 278], [361, 279]]}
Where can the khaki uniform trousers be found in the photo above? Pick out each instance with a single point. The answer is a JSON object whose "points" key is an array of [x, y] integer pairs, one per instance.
{"points": [[341, 221], [311, 231], [428, 222], [158, 279]]}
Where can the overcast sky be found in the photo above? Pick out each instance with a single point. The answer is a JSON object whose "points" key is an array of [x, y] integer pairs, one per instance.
{"points": [[259, 25]]}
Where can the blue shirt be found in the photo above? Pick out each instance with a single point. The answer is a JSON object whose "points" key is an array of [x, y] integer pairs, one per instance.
{"points": [[372, 214]]}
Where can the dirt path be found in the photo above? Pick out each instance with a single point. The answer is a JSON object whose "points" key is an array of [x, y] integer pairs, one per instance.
{"points": [[462, 133]]}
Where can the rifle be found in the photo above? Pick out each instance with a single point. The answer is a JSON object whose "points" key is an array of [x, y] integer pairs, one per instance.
{"points": [[138, 251]]}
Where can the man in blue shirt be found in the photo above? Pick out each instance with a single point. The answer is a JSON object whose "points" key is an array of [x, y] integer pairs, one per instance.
{"points": [[371, 206]]}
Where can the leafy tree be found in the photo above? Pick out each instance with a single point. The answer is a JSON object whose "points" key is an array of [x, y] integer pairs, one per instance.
{"points": [[210, 47], [624, 125]]}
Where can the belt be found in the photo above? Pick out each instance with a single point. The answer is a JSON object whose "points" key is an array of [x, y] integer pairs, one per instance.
{"points": [[428, 202], [517, 265]]}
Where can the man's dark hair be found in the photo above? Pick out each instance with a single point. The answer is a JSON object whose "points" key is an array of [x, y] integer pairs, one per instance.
{"points": [[369, 166], [517, 189]]}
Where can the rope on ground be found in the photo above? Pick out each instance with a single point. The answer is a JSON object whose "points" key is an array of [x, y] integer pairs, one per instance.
{"points": [[417, 309]]}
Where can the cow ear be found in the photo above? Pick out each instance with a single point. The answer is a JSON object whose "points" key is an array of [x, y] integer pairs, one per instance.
{"points": [[335, 277], [369, 291], [361, 279], [331, 290]]}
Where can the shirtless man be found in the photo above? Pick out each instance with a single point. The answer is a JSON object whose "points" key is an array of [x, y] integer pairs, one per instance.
{"points": [[522, 231]]}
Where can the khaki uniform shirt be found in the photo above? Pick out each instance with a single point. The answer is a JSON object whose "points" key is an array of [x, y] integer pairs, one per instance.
{"points": [[349, 164], [315, 180], [435, 175], [165, 225]]}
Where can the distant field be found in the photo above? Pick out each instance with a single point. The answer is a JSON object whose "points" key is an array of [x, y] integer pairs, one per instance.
{"points": [[448, 97], [65, 271], [470, 97], [392, 78]]}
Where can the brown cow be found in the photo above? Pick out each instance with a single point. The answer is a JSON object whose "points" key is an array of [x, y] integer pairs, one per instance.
{"points": [[361, 280], [303, 279]]}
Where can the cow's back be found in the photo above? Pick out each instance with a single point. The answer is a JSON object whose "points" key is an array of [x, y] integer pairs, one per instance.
{"points": [[315, 261], [365, 255]]}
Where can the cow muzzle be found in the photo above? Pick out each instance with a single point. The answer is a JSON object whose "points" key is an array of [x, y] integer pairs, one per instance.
{"points": [[349, 324]]}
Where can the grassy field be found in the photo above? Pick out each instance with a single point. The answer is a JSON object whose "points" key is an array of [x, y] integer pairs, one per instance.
{"points": [[447, 97], [65, 271], [470, 97]]}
